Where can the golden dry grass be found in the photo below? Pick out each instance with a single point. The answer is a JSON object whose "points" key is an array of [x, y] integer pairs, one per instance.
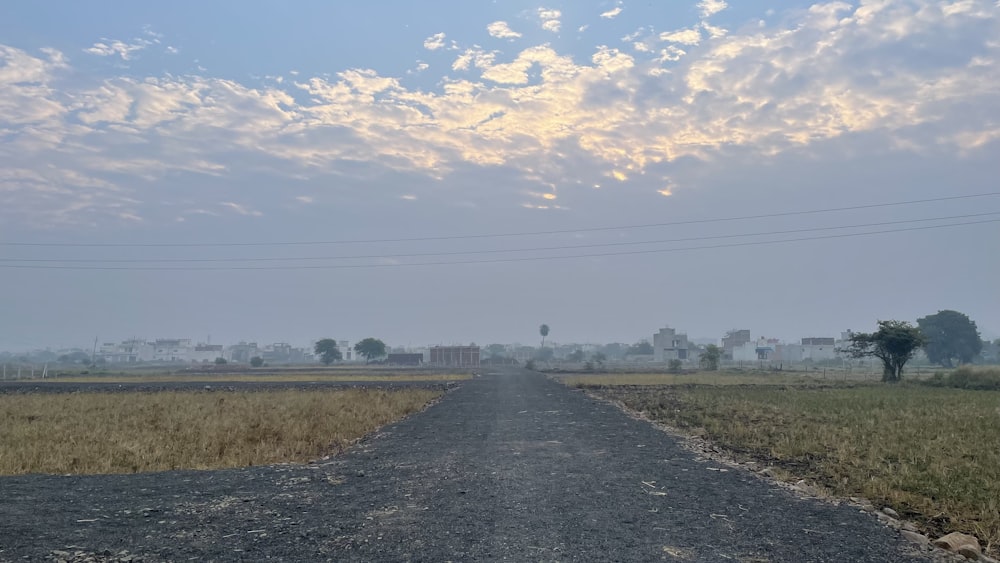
{"points": [[933, 455], [138, 432], [701, 378], [291, 377]]}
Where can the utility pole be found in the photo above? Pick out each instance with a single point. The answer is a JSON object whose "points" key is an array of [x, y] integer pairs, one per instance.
{"points": [[93, 355]]}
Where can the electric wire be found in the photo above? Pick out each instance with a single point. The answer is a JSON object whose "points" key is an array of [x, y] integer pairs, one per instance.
{"points": [[497, 260], [500, 235], [490, 251]]}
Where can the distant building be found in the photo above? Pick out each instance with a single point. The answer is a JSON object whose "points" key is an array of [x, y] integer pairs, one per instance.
{"points": [[455, 356], [735, 339], [172, 350], [204, 353], [669, 345], [243, 352], [761, 349], [346, 352], [127, 352]]}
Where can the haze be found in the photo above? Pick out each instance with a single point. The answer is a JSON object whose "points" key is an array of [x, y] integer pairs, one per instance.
{"points": [[154, 155]]}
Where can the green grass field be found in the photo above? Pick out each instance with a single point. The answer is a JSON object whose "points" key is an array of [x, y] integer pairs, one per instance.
{"points": [[931, 454]]}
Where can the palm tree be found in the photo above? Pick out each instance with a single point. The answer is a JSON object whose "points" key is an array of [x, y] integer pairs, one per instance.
{"points": [[544, 331]]}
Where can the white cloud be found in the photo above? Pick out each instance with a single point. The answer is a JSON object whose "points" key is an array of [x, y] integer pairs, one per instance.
{"points": [[434, 42], [240, 209], [550, 19], [501, 30], [554, 117], [612, 14], [110, 48], [711, 7], [682, 36]]}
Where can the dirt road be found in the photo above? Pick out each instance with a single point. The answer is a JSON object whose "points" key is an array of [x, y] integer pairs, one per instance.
{"points": [[507, 467]]}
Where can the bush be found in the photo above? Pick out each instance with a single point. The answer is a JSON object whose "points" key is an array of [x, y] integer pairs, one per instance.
{"points": [[966, 377], [220, 361], [256, 361], [530, 364], [675, 366]]}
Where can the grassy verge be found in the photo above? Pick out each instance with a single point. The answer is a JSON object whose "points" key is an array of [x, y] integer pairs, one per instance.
{"points": [[933, 455], [703, 378], [294, 377], [136, 432]]}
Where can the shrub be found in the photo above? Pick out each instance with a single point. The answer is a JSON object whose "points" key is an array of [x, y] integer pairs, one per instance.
{"points": [[966, 377]]}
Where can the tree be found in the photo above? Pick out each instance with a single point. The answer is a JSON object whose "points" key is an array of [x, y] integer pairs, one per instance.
{"points": [[496, 350], [710, 357], [544, 331], [675, 366], [220, 361], [950, 335], [641, 348], [895, 342], [599, 358], [256, 361], [328, 351], [370, 348], [576, 356], [544, 354]]}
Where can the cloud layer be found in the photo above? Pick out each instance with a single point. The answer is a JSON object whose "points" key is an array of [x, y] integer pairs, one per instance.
{"points": [[923, 75]]}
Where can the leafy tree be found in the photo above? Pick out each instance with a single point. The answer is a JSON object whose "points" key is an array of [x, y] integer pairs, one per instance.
{"points": [[220, 361], [710, 357], [496, 350], [544, 354], [599, 358], [370, 348], [641, 348], [895, 342], [675, 365], [544, 331], [328, 351], [576, 356], [950, 335], [256, 361]]}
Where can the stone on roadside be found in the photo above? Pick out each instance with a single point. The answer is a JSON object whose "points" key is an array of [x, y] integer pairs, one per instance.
{"points": [[916, 538], [958, 542], [890, 512]]}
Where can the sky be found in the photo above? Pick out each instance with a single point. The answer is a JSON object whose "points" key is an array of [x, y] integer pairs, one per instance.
{"points": [[461, 172]]}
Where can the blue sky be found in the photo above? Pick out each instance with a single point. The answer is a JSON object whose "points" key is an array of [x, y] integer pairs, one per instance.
{"points": [[227, 123]]}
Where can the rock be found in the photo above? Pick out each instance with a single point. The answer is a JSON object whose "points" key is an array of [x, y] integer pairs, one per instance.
{"points": [[890, 512], [888, 520], [957, 541], [914, 537]]}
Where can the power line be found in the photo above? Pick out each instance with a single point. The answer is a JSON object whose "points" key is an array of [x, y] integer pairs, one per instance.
{"points": [[498, 260], [492, 251], [498, 235]]}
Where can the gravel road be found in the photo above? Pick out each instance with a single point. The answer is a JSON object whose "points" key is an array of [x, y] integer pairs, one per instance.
{"points": [[508, 466]]}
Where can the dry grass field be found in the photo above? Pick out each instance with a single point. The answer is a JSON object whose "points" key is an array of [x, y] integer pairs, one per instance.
{"points": [[137, 432], [932, 454], [248, 376]]}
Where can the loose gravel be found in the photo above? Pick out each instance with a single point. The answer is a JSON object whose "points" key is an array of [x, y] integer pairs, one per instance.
{"points": [[506, 467]]}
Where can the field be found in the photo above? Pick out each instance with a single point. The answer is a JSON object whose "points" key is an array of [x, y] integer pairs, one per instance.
{"points": [[249, 376], [931, 454], [137, 432]]}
